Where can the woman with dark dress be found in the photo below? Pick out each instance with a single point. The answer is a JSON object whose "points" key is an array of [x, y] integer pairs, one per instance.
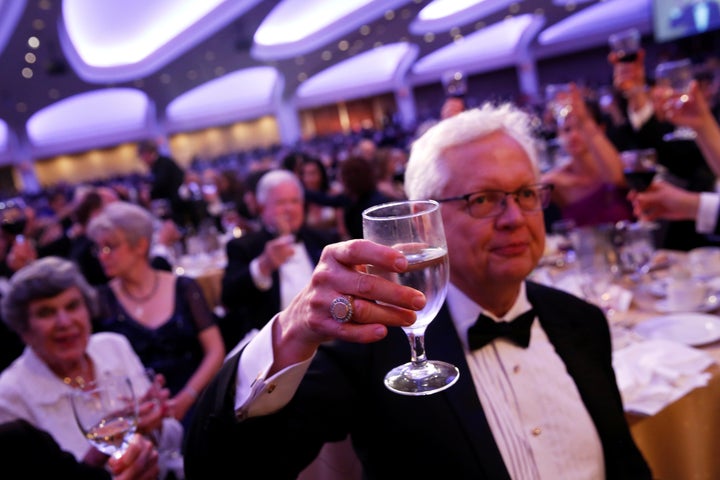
{"points": [[165, 317]]}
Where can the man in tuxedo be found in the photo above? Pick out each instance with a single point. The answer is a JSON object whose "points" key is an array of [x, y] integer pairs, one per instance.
{"points": [[543, 403], [267, 268], [684, 162], [166, 178]]}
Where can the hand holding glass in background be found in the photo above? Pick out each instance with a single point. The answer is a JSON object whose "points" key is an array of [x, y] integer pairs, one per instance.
{"points": [[674, 79], [559, 101], [639, 168]]}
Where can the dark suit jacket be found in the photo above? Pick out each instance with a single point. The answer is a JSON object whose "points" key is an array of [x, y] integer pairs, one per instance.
{"points": [[30, 453], [246, 306], [167, 176], [445, 435]]}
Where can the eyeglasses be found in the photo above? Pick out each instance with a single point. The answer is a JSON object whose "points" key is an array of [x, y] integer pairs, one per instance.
{"points": [[98, 250], [491, 203]]}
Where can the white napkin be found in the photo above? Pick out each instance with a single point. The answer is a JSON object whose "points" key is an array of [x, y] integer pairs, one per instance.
{"points": [[655, 373]]}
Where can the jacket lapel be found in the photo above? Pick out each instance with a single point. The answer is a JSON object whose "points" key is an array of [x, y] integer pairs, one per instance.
{"points": [[443, 344]]}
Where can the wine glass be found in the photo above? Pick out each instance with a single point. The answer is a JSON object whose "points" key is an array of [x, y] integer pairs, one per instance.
{"points": [[625, 44], [639, 167], [12, 216], [565, 230], [415, 228], [106, 411], [557, 97], [675, 76], [634, 247]]}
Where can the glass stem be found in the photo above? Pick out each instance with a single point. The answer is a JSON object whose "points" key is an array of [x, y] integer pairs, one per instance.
{"points": [[417, 348]]}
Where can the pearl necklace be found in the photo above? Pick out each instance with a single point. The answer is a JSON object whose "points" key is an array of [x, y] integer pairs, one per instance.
{"points": [[139, 301]]}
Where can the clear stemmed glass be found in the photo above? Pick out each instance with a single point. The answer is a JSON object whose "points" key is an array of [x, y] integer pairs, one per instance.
{"points": [[676, 77], [634, 247], [415, 228], [106, 412]]}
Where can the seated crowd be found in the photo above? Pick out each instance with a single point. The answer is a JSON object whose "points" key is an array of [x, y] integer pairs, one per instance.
{"points": [[90, 284]]}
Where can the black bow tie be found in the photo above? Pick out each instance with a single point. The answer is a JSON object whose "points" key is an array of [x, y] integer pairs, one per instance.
{"points": [[486, 330]]}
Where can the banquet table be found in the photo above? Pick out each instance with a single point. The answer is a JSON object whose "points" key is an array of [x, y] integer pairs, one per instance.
{"points": [[682, 440], [207, 270]]}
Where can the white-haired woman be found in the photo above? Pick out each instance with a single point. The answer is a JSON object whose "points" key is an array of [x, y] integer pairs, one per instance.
{"points": [[165, 317], [49, 305]]}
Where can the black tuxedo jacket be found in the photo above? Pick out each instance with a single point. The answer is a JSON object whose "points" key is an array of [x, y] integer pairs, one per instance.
{"points": [[445, 435], [246, 306], [30, 453]]}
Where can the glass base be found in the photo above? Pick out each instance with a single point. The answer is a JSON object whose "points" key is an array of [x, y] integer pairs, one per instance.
{"points": [[434, 376]]}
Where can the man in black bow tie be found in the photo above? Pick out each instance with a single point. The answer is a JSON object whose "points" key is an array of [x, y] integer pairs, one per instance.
{"points": [[267, 268], [536, 396]]}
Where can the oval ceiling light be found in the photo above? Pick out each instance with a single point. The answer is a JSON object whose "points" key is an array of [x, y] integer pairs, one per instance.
{"points": [[442, 15], [10, 12], [90, 120], [496, 46], [4, 136], [592, 25], [234, 97], [296, 27], [123, 40], [379, 70]]}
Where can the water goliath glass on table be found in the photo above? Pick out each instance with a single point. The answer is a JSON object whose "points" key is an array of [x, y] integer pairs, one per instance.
{"points": [[415, 228]]}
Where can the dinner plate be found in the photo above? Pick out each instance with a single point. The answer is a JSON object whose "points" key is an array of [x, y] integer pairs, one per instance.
{"points": [[710, 304], [692, 329]]}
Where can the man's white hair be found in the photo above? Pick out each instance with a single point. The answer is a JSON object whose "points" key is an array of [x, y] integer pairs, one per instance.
{"points": [[272, 179], [426, 174]]}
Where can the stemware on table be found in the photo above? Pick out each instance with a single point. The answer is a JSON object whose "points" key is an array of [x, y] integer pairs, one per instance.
{"points": [[557, 97], [415, 228]]}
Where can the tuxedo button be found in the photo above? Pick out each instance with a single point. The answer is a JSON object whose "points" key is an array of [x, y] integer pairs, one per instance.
{"points": [[271, 388], [516, 369], [536, 431]]}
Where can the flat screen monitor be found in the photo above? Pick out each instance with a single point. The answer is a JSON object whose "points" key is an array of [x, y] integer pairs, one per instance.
{"points": [[673, 19]]}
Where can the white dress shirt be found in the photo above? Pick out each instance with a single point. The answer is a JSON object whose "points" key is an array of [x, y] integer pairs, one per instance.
{"points": [[533, 407], [707, 214]]}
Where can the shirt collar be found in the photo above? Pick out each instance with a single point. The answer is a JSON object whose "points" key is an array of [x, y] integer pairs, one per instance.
{"points": [[464, 311]]}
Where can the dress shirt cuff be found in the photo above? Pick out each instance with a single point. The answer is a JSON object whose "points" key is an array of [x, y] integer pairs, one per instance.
{"points": [[707, 214], [255, 394], [262, 282], [640, 117]]}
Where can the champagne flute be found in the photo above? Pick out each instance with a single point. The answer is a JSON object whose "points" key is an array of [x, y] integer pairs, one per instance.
{"points": [[676, 77], [415, 228], [106, 411]]}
